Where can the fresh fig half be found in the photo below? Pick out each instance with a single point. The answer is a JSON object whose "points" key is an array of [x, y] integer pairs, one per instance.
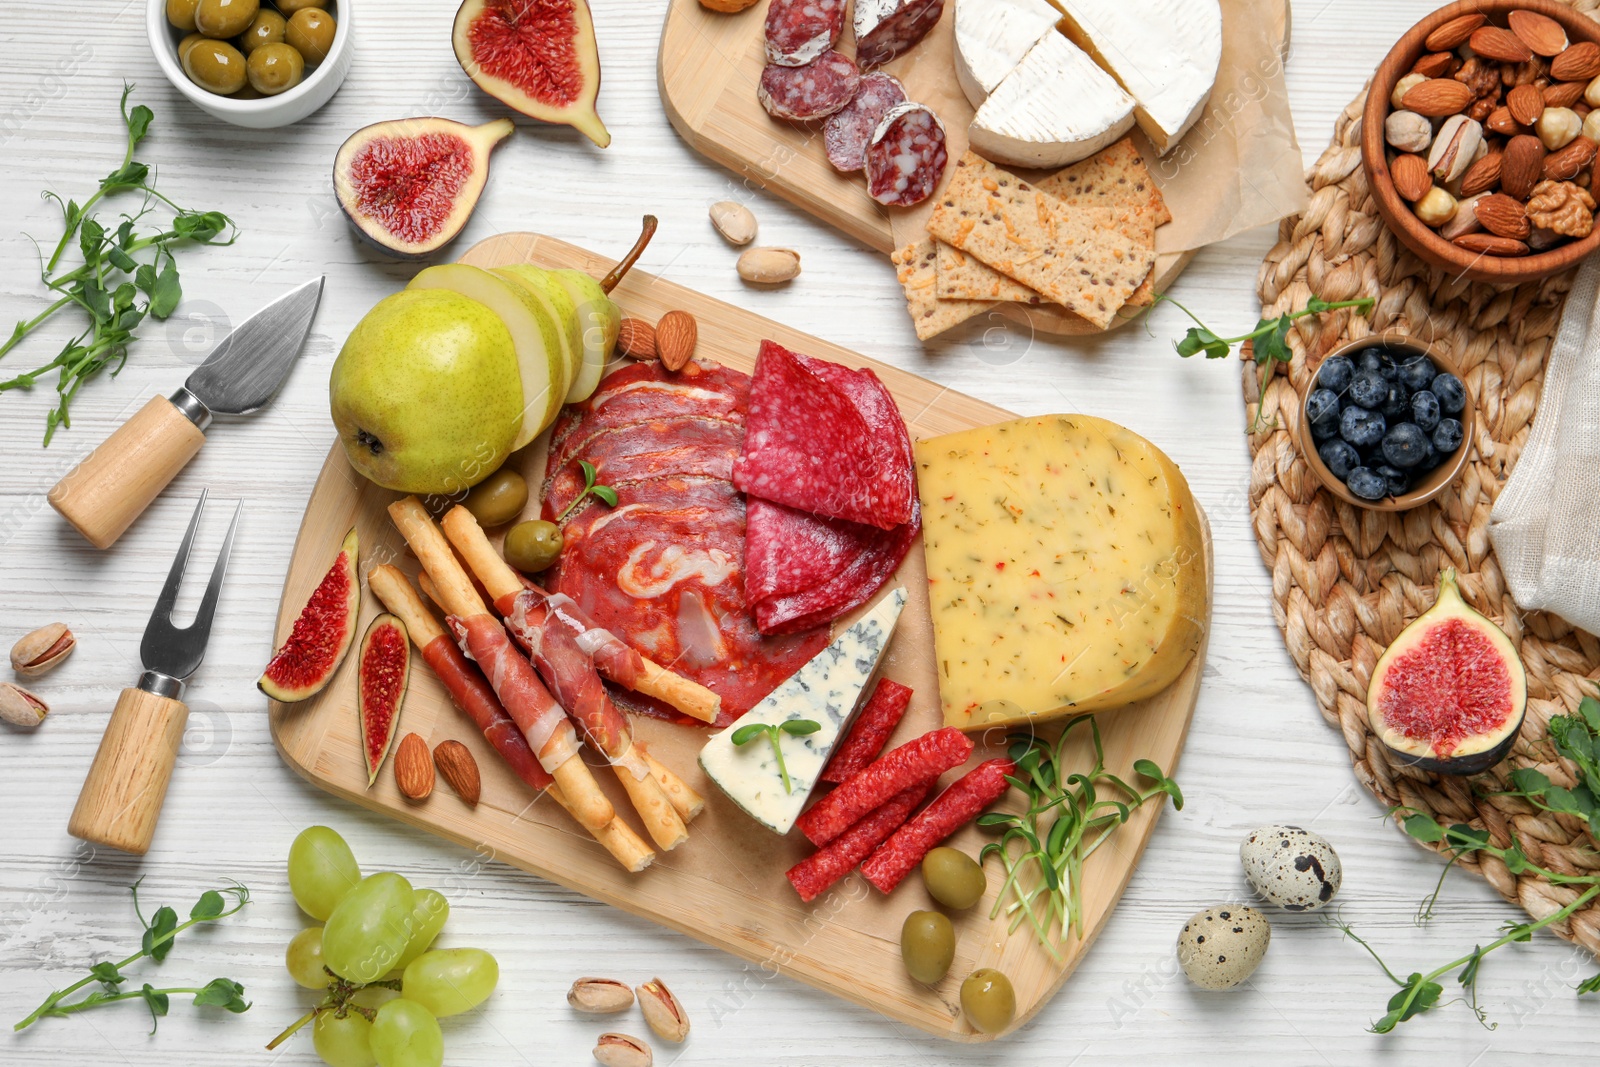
{"points": [[385, 668], [410, 185], [1450, 694], [321, 635], [537, 56]]}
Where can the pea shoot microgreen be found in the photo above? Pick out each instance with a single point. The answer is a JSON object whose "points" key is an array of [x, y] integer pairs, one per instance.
{"points": [[160, 931], [604, 493], [774, 734], [119, 264]]}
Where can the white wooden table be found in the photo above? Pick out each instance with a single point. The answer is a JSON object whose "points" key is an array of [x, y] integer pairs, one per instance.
{"points": [[1259, 752]]}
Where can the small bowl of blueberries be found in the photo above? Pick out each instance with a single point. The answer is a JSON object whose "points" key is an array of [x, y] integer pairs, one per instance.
{"points": [[1387, 423]]}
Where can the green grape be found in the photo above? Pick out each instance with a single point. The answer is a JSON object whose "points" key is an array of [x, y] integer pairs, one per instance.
{"points": [[429, 910], [369, 928], [322, 869], [343, 1042], [304, 959], [449, 981], [373, 996], [405, 1034]]}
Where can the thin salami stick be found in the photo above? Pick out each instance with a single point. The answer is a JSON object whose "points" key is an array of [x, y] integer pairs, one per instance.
{"points": [[816, 874], [949, 812], [915, 761], [871, 732]]}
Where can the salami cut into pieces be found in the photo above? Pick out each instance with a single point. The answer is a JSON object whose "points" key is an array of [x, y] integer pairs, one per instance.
{"points": [[949, 812], [799, 31], [906, 157], [847, 131], [813, 91], [848, 589], [921, 760], [866, 739], [888, 28], [817, 873]]}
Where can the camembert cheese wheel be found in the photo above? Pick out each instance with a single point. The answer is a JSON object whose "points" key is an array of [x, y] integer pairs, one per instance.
{"points": [[1066, 569]]}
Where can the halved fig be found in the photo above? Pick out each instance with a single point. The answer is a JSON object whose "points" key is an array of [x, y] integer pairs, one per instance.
{"points": [[410, 185], [385, 668], [537, 56], [1450, 694], [321, 635]]}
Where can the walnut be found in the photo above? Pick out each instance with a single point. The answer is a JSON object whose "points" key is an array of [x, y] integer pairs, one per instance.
{"points": [[1482, 78], [1524, 73], [1561, 207]]}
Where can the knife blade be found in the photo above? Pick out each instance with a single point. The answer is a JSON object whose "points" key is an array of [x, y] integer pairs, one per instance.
{"points": [[113, 485]]}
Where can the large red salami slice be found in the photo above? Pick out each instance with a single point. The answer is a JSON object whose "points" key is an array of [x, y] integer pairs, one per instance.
{"points": [[906, 157], [847, 131], [921, 760], [949, 812], [682, 444], [788, 551], [816, 874], [813, 91], [848, 589], [799, 31], [888, 437], [888, 28]]}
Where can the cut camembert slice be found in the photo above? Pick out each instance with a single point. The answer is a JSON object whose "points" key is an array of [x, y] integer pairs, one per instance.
{"points": [[1056, 107], [992, 36]]}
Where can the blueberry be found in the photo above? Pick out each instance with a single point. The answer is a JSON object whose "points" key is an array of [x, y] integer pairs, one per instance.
{"points": [[1451, 393], [1430, 460], [1369, 390], [1388, 369], [1322, 406], [1397, 404], [1425, 410], [1397, 481], [1361, 427], [1341, 457], [1405, 445], [1370, 361], [1417, 372], [1325, 431], [1367, 484], [1336, 373], [1447, 436]]}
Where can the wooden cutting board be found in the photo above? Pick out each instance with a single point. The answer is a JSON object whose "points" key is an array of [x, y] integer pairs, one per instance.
{"points": [[726, 886]]}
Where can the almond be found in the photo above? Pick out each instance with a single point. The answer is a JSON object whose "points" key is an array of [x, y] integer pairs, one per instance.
{"points": [[413, 768], [1522, 167], [1410, 176], [1435, 65], [1482, 175], [1437, 97], [1563, 94], [1579, 63], [1526, 104], [676, 336], [458, 767], [1453, 34], [1492, 42], [636, 339], [1543, 35], [1567, 163], [1503, 216], [1487, 244], [1501, 121]]}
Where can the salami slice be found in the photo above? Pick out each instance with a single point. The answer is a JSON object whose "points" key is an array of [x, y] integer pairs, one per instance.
{"points": [[817, 873], [788, 551], [799, 31], [813, 91], [888, 28], [888, 438], [644, 391], [949, 812], [848, 130], [684, 444], [921, 760], [848, 589], [884, 710], [906, 156]]}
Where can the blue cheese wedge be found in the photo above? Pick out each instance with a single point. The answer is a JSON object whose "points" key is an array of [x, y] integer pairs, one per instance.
{"points": [[1055, 108], [991, 38], [828, 691]]}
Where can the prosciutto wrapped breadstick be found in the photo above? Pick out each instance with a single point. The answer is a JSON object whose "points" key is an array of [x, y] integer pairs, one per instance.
{"points": [[472, 695]]}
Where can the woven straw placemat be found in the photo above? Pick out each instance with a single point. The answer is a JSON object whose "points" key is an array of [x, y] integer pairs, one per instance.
{"points": [[1346, 581]]}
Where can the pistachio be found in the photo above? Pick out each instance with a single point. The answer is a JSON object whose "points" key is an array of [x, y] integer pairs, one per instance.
{"points": [[600, 996], [1408, 131], [734, 221], [1404, 86], [662, 1011], [622, 1050], [20, 707], [42, 650], [1464, 221], [1457, 147], [769, 266], [1557, 126]]}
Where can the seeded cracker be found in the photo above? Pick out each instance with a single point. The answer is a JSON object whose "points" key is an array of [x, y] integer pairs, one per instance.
{"points": [[914, 266], [1029, 236]]}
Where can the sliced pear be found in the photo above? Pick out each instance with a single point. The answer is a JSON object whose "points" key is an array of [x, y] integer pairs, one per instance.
{"points": [[601, 320], [540, 352], [547, 287]]}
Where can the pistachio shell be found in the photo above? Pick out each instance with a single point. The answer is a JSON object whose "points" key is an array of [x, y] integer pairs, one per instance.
{"points": [[769, 266], [662, 1011], [622, 1050], [42, 650], [600, 996], [20, 707], [734, 221]]}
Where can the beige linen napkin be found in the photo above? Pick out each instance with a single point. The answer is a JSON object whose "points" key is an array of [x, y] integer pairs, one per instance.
{"points": [[1544, 526]]}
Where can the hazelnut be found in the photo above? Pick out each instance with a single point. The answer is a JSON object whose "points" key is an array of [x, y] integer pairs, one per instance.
{"points": [[1408, 131], [1591, 95], [1404, 86], [1436, 208], [1557, 126], [1591, 126]]}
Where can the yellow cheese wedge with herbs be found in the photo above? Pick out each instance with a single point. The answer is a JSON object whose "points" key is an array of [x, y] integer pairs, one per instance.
{"points": [[1066, 568]]}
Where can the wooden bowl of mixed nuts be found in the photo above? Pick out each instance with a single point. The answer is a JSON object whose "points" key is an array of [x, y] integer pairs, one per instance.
{"points": [[1480, 136]]}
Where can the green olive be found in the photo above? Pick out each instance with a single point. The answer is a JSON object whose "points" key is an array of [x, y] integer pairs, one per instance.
{"points": [[188, 43], [927, 945], [533, 546], [499, 498], [225, 18], [311, 31], [953, 878], [289, 7], [988, 1000], [266, 29], [215, 66], [181, 14], [274, 68]]}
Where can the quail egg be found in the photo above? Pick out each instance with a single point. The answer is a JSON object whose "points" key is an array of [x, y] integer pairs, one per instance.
{"points": [[1223, 945], [1293, 868]]}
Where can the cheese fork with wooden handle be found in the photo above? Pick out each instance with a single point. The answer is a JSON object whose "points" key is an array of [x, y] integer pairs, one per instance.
{"points": [[113, 485], [127, 783]]}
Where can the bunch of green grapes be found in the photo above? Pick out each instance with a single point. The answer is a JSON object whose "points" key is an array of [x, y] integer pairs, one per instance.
{"points": [[384, 986]]}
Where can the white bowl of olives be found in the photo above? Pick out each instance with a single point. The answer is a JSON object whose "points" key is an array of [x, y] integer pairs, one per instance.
{"points": [[255, 63]]}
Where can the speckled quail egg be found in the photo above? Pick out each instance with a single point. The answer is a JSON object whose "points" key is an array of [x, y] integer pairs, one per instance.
{"points": [[1293, 868], [1223, 945]]}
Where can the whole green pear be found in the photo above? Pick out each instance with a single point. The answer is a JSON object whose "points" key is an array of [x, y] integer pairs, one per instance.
{"points": [[427, 393]]}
